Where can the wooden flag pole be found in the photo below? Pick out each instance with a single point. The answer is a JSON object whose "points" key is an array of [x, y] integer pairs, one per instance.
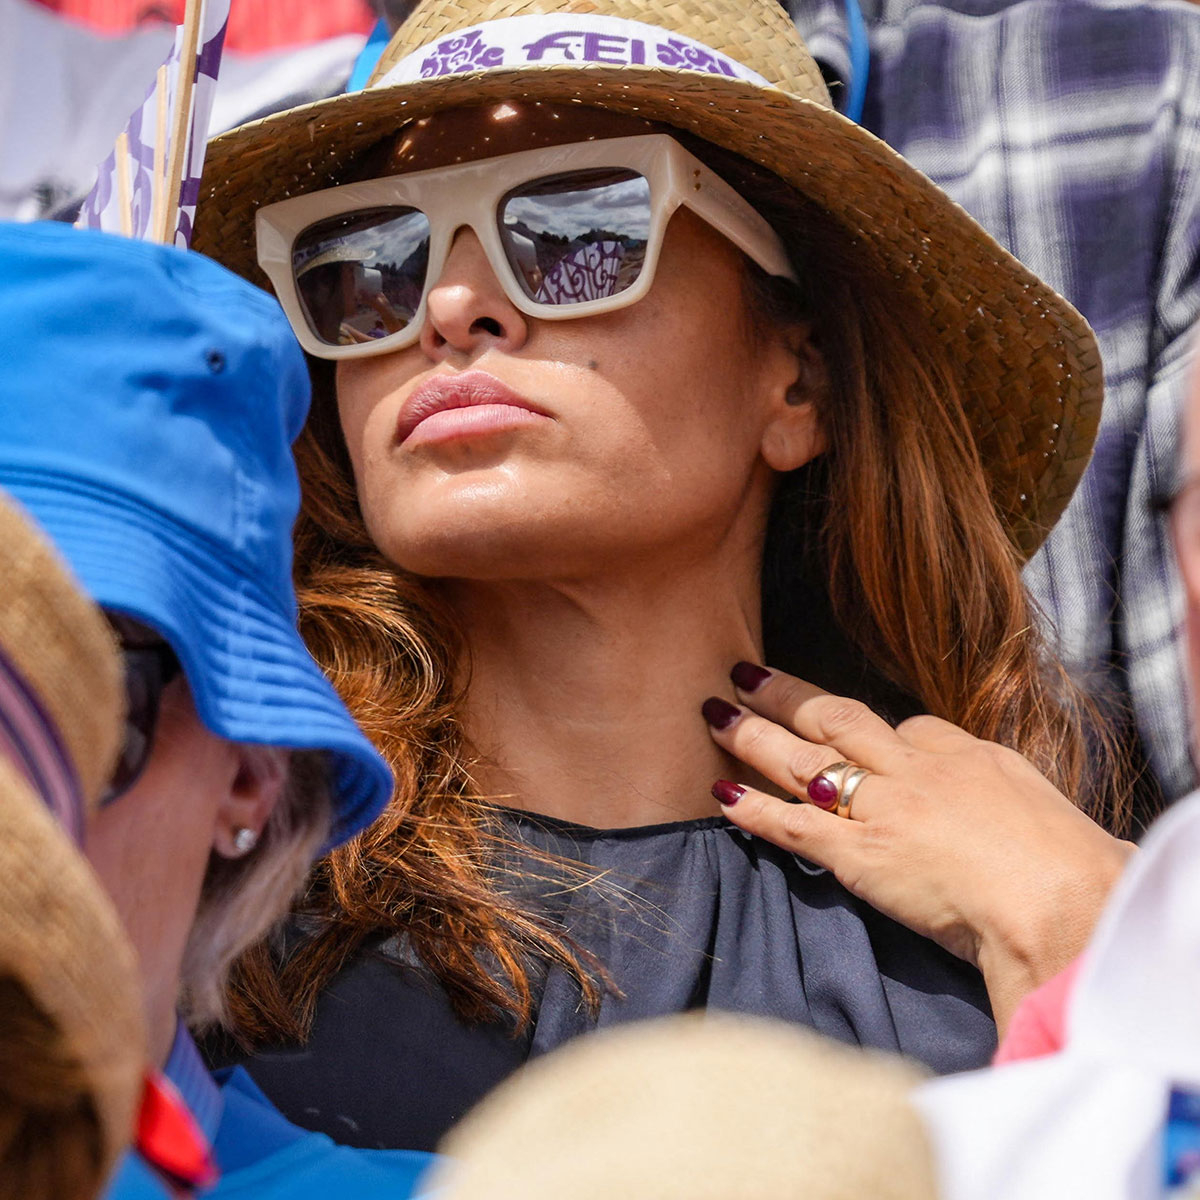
{"points": [[121, 155], [158, 182], [181, 118]]}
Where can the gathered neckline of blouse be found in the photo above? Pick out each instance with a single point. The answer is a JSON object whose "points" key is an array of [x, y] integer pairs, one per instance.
{"points": [[523, 817]]}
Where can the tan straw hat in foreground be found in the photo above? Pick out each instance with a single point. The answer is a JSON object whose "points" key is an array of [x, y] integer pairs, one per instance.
{"points": [[700, 1107], [74, 1009], [735, 73]]}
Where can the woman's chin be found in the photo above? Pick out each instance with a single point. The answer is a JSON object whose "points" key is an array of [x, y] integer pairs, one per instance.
{"points": [[482, 550], [502, 521]]}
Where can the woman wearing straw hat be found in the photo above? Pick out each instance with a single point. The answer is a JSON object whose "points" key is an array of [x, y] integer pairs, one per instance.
{"points": [[768, 394], [150, 403]]}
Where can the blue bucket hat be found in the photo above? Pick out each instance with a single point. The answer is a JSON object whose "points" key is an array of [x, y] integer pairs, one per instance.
{"points": [[150, 400]]}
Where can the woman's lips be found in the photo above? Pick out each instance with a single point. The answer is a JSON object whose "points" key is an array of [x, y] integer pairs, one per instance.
{"points": [[453, 407]]}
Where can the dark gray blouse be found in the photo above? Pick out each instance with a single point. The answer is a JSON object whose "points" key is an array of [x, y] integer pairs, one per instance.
{"points": [[694, 914]]}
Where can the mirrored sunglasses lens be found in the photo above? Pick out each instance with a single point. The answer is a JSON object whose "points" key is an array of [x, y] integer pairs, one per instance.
{"points": [[578, 236], [147, 671], [361, 275]]}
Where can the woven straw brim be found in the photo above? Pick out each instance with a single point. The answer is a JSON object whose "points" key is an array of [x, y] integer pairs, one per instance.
{"points": [[59, 935], [62, 646], [61, 939], [1028, 364], [700, 1107]]}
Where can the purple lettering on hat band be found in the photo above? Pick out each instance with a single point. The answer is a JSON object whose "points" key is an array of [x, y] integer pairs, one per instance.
{"points": [[29, 740], [577, 39], [455, 55], [688, 56], [563, 40], [605, 47]]}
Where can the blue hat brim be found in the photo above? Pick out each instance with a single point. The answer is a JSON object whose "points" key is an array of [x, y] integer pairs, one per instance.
{"points": [[251, 676]]}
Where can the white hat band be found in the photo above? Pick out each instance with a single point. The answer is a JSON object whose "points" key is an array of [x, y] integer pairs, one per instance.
{"points": [[570, 39]]}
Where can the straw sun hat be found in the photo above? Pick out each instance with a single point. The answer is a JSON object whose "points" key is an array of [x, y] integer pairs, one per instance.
{"points": [[699, 1107], [735, 73], [61, 713]]}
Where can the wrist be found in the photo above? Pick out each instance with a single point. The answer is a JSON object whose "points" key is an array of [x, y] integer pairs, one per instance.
{"points": [[1023, 945]]}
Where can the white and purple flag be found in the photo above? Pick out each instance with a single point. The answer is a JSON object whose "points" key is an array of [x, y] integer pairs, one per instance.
{"points": [[148, 185]]}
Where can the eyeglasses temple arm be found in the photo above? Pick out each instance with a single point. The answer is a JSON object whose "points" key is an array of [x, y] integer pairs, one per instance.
{"points": [[727, 212]]}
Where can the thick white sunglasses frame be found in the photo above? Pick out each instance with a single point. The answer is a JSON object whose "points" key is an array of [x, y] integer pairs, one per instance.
{"points": [[469, 194]]}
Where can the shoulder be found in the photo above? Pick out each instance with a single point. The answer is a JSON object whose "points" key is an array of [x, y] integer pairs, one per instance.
{"points": [[265, 1156], [134, 1179], [1061, 46], [897, 12], [316, 1169]]}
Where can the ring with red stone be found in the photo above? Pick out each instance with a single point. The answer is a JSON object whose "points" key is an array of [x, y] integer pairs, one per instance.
{"points": [[825, 787]]}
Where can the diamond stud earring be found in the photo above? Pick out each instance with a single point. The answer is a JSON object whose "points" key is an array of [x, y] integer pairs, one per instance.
{"points": [[244, 840]]}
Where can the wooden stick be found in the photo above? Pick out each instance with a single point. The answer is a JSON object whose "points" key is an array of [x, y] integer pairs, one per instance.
{"points": [[181, 118], [158, 192], [122, 168]]}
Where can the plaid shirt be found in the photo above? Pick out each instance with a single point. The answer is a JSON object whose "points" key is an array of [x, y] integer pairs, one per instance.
{"points": [[1071, 130]]}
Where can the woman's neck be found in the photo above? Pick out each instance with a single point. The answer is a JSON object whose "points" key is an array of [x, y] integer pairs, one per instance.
{"points": [[584, 698]]}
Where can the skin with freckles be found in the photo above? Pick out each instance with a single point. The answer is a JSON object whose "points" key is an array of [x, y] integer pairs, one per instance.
{"points": [[604, 559]]}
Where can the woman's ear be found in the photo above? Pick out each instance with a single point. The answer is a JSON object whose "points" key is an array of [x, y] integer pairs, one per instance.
{"points": [[257, 787], [793, 435]]}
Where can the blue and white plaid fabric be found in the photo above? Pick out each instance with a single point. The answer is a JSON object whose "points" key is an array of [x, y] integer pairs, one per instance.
{"points": [[1071, 130]]}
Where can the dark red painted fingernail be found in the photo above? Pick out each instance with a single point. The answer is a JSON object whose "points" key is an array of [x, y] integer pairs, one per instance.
{"points": [[749, 677], [727, 793], [720, 714]]}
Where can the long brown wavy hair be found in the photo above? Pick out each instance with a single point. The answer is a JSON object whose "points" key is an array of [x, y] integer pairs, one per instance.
{"points": [[887, 553]]}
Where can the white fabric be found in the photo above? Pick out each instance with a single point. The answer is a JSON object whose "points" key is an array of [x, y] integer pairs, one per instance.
{"points": [[1089, 1121], [150, 134], [66, 92], [576, 39]]}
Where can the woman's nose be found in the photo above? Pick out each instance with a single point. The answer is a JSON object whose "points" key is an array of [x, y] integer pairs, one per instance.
{"points": [[467, 309]]}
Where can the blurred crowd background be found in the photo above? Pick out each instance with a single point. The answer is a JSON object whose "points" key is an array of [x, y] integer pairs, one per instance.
{"points": [[71, 72]]}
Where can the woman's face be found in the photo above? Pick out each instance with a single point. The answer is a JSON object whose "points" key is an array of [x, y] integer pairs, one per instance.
{"points": [[635, 433], [151, 845]]}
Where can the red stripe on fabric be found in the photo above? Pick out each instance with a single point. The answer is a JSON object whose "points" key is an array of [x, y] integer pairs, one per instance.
{"points": [[254, 28]]}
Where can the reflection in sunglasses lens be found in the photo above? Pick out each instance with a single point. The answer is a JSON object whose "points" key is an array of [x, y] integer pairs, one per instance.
{"points": [[578, 236], [360, 275]]}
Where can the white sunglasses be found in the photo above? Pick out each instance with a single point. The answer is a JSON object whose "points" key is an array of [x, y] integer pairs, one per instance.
{"points": [[569, 231]]}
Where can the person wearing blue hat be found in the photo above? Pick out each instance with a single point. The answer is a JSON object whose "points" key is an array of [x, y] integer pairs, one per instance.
{"points": [[151, 399]]}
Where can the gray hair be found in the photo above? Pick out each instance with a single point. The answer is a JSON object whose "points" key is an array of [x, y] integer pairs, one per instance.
{"points": [[243, 898]]}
